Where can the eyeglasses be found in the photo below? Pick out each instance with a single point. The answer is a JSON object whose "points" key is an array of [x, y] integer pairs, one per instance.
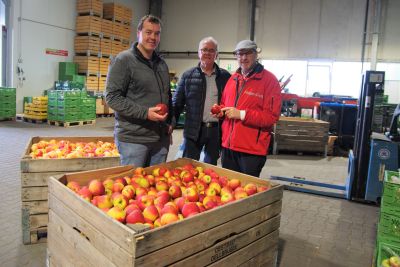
{"points": [[206, 50], [243, 53]]}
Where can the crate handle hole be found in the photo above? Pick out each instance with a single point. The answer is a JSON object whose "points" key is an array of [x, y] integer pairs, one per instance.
{"points": [[224, 238], [81, 233]]}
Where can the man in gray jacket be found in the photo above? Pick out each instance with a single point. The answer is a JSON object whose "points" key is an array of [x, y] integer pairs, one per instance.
{"points": [[138, 80]]}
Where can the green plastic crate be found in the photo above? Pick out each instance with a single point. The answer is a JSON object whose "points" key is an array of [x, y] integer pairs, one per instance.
{"points": [[9, 113], [68, 117], [68, 110], [52, 115], [7, 99], [385, 251], [52, 102], [88, 101], [87, 116], [7, 106], [68, 94], [391, 190], [67, 68], [7, 91], [389, 224], [69, 103]]}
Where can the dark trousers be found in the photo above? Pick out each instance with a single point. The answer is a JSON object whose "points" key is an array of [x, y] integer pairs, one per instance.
{"points": [[242, 162], [208, 139]]}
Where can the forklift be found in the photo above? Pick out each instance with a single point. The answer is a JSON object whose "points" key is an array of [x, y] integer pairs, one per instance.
{"points": [[371, 155]]}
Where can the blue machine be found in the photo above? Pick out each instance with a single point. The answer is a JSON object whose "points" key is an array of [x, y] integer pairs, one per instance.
{"points": [[383, 156]]}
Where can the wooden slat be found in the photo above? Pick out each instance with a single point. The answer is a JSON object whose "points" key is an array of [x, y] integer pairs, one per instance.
{"points": [[116, 231], [29, 179], [298, 138], [36, 207], [266, 258], [38, 221], [230, 245], [83, 247], [97, 237], [34, 193], [208, 238], [268, 242], [62, 253]]}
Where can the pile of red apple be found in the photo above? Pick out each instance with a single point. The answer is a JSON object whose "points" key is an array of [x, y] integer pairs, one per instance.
{"points": [[164, 195], [393, 261], [65, 149]]}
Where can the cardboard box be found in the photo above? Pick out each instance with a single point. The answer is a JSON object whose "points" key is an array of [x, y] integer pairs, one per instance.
{"points": [[34, 177], [242, 232]]}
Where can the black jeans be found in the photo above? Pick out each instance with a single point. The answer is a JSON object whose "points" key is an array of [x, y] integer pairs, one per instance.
{"points": [[208, 139], [242, 162]]}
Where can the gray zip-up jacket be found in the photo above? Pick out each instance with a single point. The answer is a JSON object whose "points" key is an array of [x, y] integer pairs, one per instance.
{"points": [[133, 85]]}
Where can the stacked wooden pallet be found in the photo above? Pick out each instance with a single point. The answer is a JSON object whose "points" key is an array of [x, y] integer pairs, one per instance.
{"points": [[301, 135], [102, 31]]}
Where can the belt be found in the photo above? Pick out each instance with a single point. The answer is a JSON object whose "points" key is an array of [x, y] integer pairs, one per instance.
{"points": [[210, 124]]}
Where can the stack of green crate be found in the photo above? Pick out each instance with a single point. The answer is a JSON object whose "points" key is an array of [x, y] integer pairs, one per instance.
{"points": [[68, 71], [88, 107], [388, 245], [70, 106], [7, 103]]}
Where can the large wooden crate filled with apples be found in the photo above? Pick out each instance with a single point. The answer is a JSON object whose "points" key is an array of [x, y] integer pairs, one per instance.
{"points": [[181, 213], [37, 166]]}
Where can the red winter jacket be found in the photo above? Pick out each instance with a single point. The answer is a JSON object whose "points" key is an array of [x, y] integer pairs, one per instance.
{"points": [[261, 98]]}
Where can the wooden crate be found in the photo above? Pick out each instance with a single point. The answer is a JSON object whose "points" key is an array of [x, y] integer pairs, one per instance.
{"points": [[242, 232], [87, 64], [85, 44], [301, 135], [92, 83], [104, 63], [116, 47], [105, 47], [99, 106], [114, 11], [102, 83], [89, 25], [118, 29], [125, 46], [34, 177], [92, 7], [107, 27], [126, 32], [128, 14]]}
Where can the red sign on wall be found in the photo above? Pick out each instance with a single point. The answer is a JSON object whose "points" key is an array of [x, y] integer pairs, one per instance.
{"points": [[57, 52]]}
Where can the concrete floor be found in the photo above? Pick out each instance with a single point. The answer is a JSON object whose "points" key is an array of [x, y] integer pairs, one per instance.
{"points": [[315, 230]]}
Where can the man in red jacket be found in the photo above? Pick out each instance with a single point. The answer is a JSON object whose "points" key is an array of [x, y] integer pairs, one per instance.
{"points": [[252, 100]]}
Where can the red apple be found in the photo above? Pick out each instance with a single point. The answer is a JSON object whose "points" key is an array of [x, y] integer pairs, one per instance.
{"points": [[168, 218], [96, 187], [104, 201], [250, 189], [135, 216], [117, 214], [163, 109], [85, 193], [190, 209], [151, 213], [175, 191], [215, 109], [131, 207], [120, 201], [190, 194], [128, 191], [74, 186], [233, 183]]}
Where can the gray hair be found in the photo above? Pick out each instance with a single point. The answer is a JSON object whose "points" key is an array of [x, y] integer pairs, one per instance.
{"points": [[209, 39]]}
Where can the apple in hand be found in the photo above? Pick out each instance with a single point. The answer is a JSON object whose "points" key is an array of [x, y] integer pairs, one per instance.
{"points": [[163, 109], [216, 109]]}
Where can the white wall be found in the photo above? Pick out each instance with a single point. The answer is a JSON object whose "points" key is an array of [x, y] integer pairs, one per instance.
{"points": [[47, 24]]}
